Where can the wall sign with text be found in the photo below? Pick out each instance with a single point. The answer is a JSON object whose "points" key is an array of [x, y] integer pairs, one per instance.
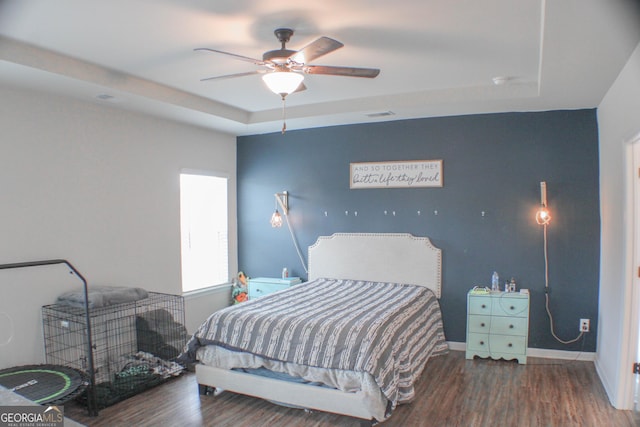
{"points": [[404, 174]]}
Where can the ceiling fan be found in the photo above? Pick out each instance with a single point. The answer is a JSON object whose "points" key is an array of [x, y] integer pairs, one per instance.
{"points": [[283, 69]]}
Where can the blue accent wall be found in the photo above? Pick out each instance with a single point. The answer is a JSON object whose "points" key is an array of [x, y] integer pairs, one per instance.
{"points": [[492, 163]]}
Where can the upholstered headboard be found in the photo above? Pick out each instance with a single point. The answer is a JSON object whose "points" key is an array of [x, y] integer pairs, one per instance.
{"points": [[379, 257]]}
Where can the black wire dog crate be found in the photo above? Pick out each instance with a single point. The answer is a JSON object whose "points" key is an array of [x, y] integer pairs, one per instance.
{"points": [[135, 344]]}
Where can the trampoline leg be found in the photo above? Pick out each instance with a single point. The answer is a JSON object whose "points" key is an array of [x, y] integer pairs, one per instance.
{"points": [[92, 401]]}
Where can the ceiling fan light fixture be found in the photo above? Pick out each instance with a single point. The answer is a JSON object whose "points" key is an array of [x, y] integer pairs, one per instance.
{"points": [[283, 82]]}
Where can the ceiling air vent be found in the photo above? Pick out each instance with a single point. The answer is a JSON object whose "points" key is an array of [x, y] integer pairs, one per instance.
{"points": [[381, 114], [106, 97]]}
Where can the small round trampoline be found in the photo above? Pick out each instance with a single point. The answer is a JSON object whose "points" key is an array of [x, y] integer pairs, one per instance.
{"points": [[45, 384]]}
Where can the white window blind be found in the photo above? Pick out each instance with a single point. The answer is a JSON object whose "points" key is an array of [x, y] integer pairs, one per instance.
{"points": [[204, 231]]}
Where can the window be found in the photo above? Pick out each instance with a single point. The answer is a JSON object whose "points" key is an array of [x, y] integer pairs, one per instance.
{"points": [[204, 231]]}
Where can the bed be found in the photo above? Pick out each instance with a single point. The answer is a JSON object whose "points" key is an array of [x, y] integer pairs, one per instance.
{"points": [[351, 340]]}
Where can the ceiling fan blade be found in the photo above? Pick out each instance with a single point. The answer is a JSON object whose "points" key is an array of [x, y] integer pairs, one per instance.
{"points": [[230, 76], [341, 71], [315, 49], [240, 57]]}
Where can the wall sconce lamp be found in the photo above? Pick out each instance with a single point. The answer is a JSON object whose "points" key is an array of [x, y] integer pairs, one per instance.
{"points": [[543, 216], [282, 199]]}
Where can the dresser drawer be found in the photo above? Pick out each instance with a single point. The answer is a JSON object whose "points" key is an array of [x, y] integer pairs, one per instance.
{"points": [[509, 306], [477, 341], [262, 286], [479, 323], [257, 290], [498, 324], [496, 344], [509, 344], [509, 325], [479, 305]]}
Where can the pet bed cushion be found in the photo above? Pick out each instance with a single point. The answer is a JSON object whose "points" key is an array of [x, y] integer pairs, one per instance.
{"points": [[103, 296]]}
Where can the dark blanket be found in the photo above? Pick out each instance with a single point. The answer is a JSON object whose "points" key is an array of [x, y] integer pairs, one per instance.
{"points": [[159, 334]]}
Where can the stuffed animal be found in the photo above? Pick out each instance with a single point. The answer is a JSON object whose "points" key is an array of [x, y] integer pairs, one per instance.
{"points": [[239, 290], [242, 279]]}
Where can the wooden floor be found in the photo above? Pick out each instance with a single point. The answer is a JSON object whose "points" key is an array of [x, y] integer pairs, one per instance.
{"points": [[452, 392]]}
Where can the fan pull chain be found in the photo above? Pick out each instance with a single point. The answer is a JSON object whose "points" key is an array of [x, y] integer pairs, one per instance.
{"points": [[284, 115]]}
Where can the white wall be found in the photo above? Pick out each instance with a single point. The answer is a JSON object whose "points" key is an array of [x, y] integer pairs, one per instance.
{"points": [[618, 121], [100, 187]]}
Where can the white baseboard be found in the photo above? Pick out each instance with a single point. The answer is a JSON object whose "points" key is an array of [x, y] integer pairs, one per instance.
{"points": [[457, 346], [540, 352]]}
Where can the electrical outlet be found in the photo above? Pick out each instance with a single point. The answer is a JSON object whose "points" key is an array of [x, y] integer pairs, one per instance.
{"points": [[584, 325]]}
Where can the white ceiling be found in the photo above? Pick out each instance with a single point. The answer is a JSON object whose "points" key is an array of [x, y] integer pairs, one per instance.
{"points": [[437, 57]]}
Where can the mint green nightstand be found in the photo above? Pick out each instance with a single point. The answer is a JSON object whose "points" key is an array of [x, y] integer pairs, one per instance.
{"points": [[261, 286], [498, 325]]}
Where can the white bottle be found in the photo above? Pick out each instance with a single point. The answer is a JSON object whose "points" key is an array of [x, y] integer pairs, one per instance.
{"points": [[495, 281]]}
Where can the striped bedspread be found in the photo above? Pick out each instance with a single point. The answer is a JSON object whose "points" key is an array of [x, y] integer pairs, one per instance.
{"points": [[388, 330]]}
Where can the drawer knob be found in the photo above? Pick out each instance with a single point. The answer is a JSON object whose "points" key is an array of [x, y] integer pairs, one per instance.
{"points": [[510, 345], [481, 342], [510, 326], [482, 324], [512, 308], [484, 306]]}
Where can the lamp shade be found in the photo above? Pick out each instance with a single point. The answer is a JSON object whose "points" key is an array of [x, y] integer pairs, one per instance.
{"points": [[283, 82], [276, 219], [543, 216]]}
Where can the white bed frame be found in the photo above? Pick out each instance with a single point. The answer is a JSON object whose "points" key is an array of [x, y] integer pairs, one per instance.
{"points": [[379, 257]]}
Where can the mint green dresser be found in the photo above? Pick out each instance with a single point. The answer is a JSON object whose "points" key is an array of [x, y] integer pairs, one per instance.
{"points": [[498, 325], [261, 286]]}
